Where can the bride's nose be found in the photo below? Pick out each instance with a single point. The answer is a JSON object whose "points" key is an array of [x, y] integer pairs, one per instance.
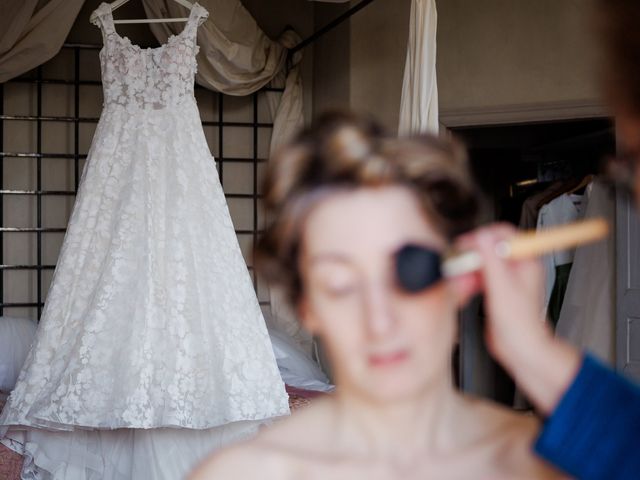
{"points": [[378, 308]]}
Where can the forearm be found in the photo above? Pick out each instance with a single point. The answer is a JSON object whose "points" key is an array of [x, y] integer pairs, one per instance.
{"points": [[542, 366], [592, 413]]}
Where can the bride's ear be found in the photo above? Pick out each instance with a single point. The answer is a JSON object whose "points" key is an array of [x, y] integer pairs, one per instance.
{"points": [[465, 287]]}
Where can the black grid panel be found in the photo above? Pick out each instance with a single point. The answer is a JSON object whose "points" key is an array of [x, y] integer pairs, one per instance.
{"points": [[238, 130]]}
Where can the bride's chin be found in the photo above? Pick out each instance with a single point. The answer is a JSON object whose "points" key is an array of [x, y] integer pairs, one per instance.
{"points": [[395, 388]]}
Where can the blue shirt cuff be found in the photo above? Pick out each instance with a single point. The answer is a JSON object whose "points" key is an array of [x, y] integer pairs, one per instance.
{"points": [[594, 432]]}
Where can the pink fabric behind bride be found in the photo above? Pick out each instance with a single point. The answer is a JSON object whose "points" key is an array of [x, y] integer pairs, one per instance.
{"points": [[10, 462]]}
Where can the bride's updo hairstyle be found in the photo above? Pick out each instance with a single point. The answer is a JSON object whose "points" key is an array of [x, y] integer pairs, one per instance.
{"points": [[341, 152]]}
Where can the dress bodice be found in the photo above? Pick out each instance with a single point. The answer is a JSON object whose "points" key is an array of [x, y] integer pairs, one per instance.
{"points": [[148, 78]]}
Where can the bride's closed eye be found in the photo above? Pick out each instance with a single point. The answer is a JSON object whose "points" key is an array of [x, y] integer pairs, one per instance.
{"points": [[339, 289], [335, 281]]}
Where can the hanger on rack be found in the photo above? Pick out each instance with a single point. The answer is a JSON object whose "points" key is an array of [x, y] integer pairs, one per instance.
{"points": [[118, 3], [582, 185]]}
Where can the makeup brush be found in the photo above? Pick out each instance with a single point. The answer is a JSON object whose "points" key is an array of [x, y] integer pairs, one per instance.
{"points": [[418, 267]]}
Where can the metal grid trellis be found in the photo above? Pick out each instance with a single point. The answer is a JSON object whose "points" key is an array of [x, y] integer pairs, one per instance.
{"points": [[39, 192]]}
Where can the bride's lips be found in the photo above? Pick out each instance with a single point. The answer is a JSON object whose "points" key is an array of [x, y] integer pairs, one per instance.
{"points": [[388, 359]]}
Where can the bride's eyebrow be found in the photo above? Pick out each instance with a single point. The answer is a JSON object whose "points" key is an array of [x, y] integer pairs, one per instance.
{"points": [[329, 257]]}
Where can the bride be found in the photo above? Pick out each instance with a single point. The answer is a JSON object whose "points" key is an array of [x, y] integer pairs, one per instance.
{"points": [[345, 198]]}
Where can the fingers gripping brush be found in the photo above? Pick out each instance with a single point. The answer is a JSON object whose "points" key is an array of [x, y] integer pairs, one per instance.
{"points": [[418, 267]]}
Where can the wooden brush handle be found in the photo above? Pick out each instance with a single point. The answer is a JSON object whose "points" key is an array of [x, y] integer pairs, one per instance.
{"points": [[530, 244], [534, 243]]}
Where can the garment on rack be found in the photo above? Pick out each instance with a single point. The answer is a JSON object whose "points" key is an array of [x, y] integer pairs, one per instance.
{"points": [[152, 349], [556, 270], [532, 205], [558, 292], [564, 209], [587, 317]]}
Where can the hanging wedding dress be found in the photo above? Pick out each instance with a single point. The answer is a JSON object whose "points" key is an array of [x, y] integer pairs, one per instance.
{"points": [[152, 349]]}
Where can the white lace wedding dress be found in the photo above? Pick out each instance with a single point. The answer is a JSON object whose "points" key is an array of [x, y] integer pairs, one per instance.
{"points": [[152, 349]]}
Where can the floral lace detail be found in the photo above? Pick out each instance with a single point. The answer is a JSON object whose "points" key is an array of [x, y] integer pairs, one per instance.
{"points": [[135, 77], [151, 319]]}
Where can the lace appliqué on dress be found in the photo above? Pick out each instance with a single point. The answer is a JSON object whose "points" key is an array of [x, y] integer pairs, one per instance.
{"points": [[151, 319]]}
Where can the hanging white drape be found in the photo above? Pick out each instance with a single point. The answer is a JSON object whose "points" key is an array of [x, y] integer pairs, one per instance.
{"points": [[32, 32], [286, 108], [419, 104]]}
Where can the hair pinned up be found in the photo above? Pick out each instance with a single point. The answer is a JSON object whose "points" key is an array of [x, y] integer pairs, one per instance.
{"points": [[342, 152]]}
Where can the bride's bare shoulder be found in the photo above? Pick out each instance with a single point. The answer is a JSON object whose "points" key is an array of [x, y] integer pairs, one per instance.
{"points": [[513, 435], [270, 454], [247, 461], [314, 418], [492, 416]]}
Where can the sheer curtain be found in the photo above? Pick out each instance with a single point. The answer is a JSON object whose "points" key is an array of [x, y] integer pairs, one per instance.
{"points": [[419, 104], [32, 32]]}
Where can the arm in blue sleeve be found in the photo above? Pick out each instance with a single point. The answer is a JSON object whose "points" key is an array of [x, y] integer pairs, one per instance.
{"points": [[594, 432]]}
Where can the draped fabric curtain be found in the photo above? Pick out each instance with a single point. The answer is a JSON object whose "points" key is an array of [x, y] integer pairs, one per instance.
{"points": [[419, 104], [32, 32], [237, 58], [286, 110]]}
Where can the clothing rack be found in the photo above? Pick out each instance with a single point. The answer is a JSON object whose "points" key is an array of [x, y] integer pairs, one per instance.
{"points": [[508, 162], [74, 81], [330, 26]]}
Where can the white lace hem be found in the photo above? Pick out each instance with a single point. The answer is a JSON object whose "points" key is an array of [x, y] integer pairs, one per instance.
{"points": [[123, 454]]}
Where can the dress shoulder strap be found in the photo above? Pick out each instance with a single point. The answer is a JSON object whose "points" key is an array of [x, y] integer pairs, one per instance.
{"points": [[197, 17], [199, 13], [102, 17]]}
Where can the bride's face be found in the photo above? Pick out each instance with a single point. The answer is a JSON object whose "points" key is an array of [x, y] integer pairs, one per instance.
{"points": [[383, 343]]}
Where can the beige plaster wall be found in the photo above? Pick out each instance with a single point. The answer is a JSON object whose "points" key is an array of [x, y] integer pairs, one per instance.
{"points": [[511, 52], [492, 55]]}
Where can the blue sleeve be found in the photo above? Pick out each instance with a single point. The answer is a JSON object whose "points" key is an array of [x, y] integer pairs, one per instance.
{"points": [[594, 433]]}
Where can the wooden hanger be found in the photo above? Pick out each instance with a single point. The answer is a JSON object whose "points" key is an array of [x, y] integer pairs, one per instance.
{"points": [[583, 184], [118, 3]]}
